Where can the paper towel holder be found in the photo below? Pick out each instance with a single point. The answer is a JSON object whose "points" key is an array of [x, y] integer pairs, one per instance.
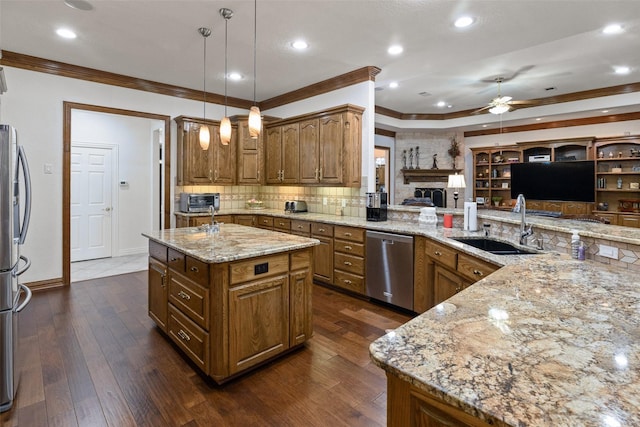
{"points": [[456, 182]]}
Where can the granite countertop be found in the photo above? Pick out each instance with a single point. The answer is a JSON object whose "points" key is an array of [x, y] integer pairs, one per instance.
{"points": [[553, 341], [233, 242]]}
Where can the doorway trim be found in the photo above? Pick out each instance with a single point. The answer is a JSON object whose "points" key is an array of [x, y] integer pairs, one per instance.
{"points": [[66, 172]]}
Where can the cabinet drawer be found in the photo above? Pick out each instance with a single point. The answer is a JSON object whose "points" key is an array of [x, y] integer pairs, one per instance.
{"points": [[301, 259], [280, 224], [175, 260], [349, 233], [265, 221], [351, 282], [473, 268], [191, 298], [157, 251], [197, 271], [320, 229], [441, 253], [349, 247], [350, 263], [192, 339], [244, 271], [302, 228]]}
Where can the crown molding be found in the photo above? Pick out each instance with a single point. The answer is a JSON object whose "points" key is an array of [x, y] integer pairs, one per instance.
{"points": [[41, 65], [613, 118]]}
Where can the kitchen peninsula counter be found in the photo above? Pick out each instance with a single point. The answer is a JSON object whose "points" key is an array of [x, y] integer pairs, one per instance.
{"points": [[550, 342], [232, 300]]}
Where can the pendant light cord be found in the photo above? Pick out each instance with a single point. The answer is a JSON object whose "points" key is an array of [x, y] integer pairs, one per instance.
{"points": [[204, 79], [255, 38], [226, 22]]}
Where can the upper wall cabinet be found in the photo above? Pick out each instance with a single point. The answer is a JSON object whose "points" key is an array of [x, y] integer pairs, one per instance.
{"points": [[329, 150], [281, 154], [216, 165], [250, 167]]}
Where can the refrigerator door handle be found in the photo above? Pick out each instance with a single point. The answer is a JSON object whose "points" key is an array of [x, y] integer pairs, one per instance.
{"points": [[26, 266], [27, 298], [27, 197]]}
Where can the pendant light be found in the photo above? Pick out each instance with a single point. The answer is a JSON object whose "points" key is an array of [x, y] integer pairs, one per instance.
{"points": [[204, 135], [255, 121], [225, 123]]}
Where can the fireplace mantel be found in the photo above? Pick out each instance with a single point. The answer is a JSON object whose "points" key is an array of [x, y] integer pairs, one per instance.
{"points": [[428, 175]]}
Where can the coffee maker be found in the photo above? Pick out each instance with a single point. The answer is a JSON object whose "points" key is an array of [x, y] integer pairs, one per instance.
{"points": [[376, 206]]}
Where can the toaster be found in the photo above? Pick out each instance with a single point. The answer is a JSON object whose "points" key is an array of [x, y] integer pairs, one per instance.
{"points": [[294, 206]]}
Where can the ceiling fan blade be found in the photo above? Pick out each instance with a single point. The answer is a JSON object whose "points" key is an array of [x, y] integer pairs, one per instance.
{"points": [[503, 99], [521, 102], [480, 110]]}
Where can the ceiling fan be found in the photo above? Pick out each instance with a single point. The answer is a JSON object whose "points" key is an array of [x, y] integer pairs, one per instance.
{"points": [[500, 104]]}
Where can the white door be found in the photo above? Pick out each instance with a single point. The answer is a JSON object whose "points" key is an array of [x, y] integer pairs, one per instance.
{"points": [[91, 205]]}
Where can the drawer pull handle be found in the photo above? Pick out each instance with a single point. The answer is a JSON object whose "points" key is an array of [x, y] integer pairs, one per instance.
{"points": [[194, 269], [347, 234], [348, 248], [182, 334], [184, 295], [459, 288], [347, 263], [321, 230], [164, 280], [347, 281], [281, 223], [438, 253], [477, 272], [174, 259], [300, 226]]}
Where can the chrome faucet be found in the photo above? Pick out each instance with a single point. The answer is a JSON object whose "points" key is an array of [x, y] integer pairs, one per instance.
{"points": [[215, 227], [521, 206]]}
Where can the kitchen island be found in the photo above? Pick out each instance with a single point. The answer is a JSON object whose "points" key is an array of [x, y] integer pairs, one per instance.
{"points": [[550, 342], [231, 300]]}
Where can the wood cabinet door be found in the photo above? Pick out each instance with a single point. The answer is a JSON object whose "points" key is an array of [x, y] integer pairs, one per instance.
{"points": [[224, 164], [323, 259], [301, 327], [258, 321], [250, 157], [273, 155], [309, 152], [199, 167], [290, 154], [446, 284], [248, 220], [158, 293], [331, 129], [181, 221]]}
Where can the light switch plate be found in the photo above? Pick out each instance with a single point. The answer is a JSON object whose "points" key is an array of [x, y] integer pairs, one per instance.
{"points": [[608, 251]]}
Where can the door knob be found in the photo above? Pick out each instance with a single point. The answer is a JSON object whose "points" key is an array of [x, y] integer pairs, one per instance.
{"points": [[107, 209]]}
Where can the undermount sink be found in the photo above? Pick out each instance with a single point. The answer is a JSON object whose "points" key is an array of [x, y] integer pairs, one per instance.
{"points": [[493, 246]]}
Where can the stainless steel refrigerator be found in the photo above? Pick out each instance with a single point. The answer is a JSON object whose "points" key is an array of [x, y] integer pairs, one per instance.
{"points": [[14, 222]]}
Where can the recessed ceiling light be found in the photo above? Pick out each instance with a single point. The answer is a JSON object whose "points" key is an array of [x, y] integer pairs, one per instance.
{"points": [[484, 126], [463, 21], [623, 69], [393, 85], [395, 49], [235, 76], [538, 119], [612, 29], [66, 33], [300, 44], [605, 111], [441, 104], [79, 4]]}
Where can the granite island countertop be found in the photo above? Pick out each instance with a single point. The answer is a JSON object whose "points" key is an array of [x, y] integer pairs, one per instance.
{"points": [[233, 242], [550, 342]]}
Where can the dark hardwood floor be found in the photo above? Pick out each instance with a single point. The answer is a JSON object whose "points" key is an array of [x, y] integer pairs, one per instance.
{"points": [[92, 357]]}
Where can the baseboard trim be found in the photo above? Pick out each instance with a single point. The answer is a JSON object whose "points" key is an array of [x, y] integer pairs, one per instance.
{"points": [[43, 285]]}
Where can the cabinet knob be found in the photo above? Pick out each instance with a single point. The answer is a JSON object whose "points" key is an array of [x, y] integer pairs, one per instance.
{"points": [[458, 288], [194, 269]]}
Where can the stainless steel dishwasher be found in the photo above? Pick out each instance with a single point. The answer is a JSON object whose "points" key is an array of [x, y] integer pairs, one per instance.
{"points": [[390, 268]]}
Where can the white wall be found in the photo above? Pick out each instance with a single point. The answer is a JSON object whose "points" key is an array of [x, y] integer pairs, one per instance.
{"points": [[34, 105], [134, 208]]}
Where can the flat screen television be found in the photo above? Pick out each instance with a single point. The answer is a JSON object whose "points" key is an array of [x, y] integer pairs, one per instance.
{"points": [[562, 181]]}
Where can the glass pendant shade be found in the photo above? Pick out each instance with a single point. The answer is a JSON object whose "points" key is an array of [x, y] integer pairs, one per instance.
{"points": [[499, 109], [255, 122], [205, 137], [225, 131]]}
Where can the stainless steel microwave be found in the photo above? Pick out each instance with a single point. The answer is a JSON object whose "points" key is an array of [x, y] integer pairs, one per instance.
{"points": [[199, 202]]}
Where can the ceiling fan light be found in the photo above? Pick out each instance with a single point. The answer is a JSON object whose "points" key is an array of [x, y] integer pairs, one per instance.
{"points": [[225, 131], [255, 122], [205, 137], [499, 109]]}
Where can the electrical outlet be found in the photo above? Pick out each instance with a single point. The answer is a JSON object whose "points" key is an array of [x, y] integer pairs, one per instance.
{"points": [[608, 251], [344, 203], [325, 202], [48, 168]]}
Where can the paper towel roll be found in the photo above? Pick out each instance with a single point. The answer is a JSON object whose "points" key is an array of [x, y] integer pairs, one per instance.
{"points": [[470, 216]]}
